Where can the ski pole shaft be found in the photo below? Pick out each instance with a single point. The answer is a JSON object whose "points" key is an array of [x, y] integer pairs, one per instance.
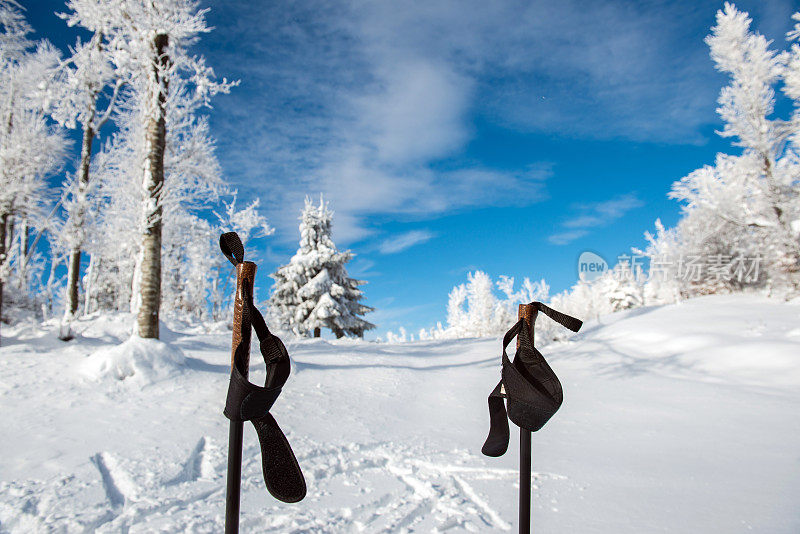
{"points": [[234, 477], [524, 481], [529, 314], [245, 275]]}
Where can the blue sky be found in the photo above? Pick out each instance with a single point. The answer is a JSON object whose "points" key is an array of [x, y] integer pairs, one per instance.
{"points": [[453, 135]]}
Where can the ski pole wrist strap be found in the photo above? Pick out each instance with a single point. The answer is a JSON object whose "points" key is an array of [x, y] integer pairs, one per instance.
{"points": [[246, 400], [249, 402], [528, 384], [563, 319]]}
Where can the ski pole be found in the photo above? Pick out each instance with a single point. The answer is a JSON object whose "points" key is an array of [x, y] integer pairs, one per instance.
{"points": [[528, 313], [528, 394], [245, 275]]}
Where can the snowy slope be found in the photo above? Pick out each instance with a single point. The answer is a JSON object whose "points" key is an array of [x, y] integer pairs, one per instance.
{"points": [[676, 419]]}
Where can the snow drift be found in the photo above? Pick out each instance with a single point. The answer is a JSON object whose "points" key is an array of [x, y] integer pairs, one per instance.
{"points": [[137, 360]]}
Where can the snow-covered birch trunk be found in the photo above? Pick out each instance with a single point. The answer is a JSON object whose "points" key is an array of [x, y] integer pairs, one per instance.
{"points": [[9, 234], [3, 255], [4, 216], [156, 133], [22, 264], [74, 261], [87, 292], [136, 282], [75, 254]]}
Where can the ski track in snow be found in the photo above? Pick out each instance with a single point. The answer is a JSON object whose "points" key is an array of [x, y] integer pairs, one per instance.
{"points": [[436, 494], [115, 496], [429, 488]]}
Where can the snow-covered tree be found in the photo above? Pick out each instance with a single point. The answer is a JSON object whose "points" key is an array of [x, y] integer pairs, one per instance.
{"points": [[619, 289], [313, 291], [87, 91], [484, 315], [579, 301], [663, 283], [147, 45], [756, 191], [30, 148], [14, 30], [248, 223], [113, 221], [189, 250], [791, 77], [474, 310]]}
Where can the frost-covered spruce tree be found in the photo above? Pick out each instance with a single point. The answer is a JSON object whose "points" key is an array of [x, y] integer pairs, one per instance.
{"points": [[314, 291], [618, 289]]}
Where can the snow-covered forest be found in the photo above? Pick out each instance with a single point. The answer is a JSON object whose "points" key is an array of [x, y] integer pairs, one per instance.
{"points": [[134, 227], [145, 173], [740, 215]]}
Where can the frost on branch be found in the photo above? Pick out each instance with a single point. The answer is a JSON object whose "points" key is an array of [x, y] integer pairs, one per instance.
{"points": [[748, 202]]}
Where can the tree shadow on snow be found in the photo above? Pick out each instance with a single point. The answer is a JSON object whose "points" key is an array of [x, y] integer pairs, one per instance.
{"points": [[629, 366], [196, 364]]}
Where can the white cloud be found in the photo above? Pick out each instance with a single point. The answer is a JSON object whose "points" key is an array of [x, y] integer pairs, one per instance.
{"points": [[337, 105], [358, 186], [401, 242], [418, 113], [615, 208], [595, 214], [593, 70], [564, 238], [583, 221], [362, 268]]}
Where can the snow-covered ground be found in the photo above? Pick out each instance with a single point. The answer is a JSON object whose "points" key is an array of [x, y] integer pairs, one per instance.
{"points": [[683, 418]]}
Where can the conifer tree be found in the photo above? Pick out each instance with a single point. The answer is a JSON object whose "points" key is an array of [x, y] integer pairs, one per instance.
{"points": [[619, 288], [314, 290]]}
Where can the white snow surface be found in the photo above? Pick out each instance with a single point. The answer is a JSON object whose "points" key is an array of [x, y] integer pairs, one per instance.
{"points": [[681, 418]]}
